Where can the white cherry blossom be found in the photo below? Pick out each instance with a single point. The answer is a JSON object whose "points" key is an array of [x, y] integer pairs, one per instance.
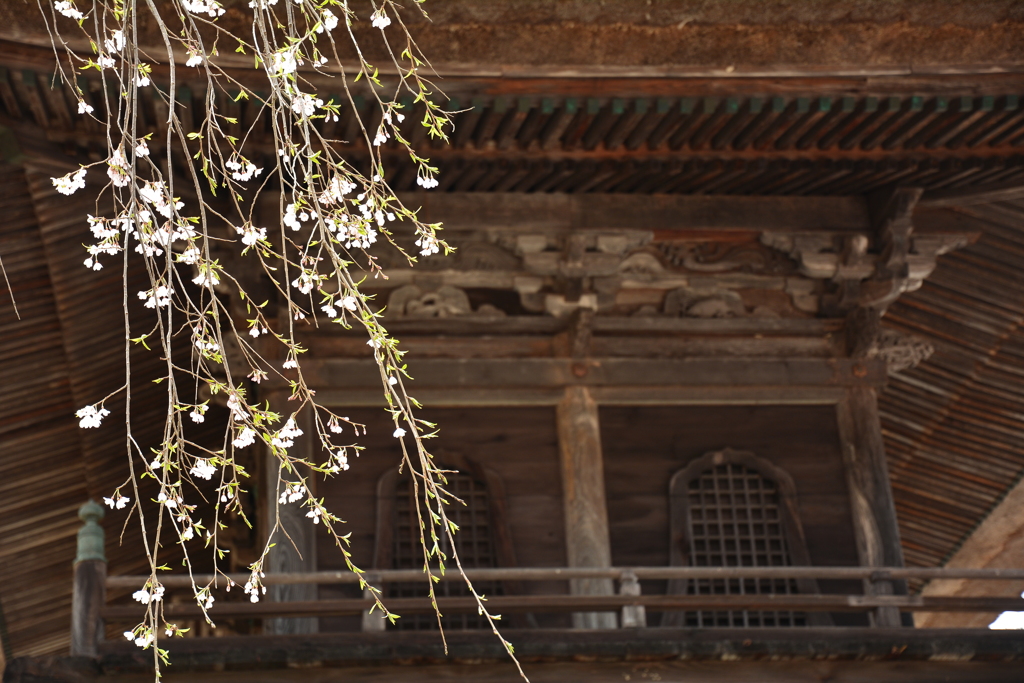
{"points": [[245, 438], [210, 8], [68, 10], [251, 235], [115, 43], [90, 417], [70, 183], [328, 21], [117, 501], [203, 469], [157, 297], [380, 19]]}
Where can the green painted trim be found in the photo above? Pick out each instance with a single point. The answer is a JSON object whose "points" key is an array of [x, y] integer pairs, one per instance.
{"points": [[91, 536]]}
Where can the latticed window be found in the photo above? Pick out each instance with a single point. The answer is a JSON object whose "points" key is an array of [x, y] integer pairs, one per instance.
{"points": [[474, 542], [733, 509]]}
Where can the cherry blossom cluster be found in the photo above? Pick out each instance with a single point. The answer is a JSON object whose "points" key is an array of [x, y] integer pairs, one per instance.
{"points": [[253, 587], [245, 437], [68, 9], [117, 501], [285, 437], [338, 462], [90, 417], [331, 304], [70, 183], [157, 297], [171, 500], [198, 414], [316, 511], [293, 492], [242, 170], [149, 593], [332, 213], [203, 468], [143, 638], [210, 8], [205, 599]]}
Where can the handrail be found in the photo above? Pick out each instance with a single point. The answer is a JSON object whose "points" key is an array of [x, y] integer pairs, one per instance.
{"points": [[560, 573], [587, 603]]}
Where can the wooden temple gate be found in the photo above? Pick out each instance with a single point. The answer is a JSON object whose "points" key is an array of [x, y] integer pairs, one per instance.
{"points": [[656, 359]]}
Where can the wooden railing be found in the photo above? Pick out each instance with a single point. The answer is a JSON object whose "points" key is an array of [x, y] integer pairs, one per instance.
{"points": [[90, 609]]}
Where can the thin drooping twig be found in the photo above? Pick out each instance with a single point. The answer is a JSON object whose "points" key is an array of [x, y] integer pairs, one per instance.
{"points": [[14, 304]]}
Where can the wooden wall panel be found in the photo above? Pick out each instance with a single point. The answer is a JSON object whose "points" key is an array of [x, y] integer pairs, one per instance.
{"points": [[644, 446], [520, 444]]}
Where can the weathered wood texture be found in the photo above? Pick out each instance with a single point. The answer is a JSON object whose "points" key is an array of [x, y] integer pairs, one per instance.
{"points": [[89, 597], [774, 655], [681, 519], [517, 604], [37, 431], [564, 212], [296, 548], [519, 444], [583, 495], [874, 514], [556, 372], [645, 446], [673, 671], [87, 324], [617, 573], [952, 426], [781, 670]]}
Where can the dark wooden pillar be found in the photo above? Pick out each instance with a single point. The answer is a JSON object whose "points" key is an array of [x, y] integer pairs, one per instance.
{"points": [[867, 475], [586, 515], [295, 549], [90, 584]]}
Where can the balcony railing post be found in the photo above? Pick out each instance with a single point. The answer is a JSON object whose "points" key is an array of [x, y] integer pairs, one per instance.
{"points": [[375, 621], [90, 579], [633, 616], [880, 583]]}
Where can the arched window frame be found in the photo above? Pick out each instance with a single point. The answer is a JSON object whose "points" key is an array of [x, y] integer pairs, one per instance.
{"points": [[681, 522], [504, 550], [497, 509]]}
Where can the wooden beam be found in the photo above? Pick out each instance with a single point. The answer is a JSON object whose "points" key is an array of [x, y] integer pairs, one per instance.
{"points": [[494, 373], [849, 655], [619, 396], [588, 601], [521, 574], [596, 670], [566, 212], [587, 543], [547, 325], [974, 195]]}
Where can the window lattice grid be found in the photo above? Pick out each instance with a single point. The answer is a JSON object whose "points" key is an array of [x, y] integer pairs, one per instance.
{"points": [[736, 521], [474, 542]]}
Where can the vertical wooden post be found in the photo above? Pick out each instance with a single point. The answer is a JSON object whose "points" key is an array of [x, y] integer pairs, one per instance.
{"points": [[373, 622], [633, 616], [90, 583], [586, 516], [867, 476], [295, 549]]}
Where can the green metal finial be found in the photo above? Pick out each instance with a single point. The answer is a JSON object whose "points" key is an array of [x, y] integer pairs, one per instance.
{"points": [[90, 536]]}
